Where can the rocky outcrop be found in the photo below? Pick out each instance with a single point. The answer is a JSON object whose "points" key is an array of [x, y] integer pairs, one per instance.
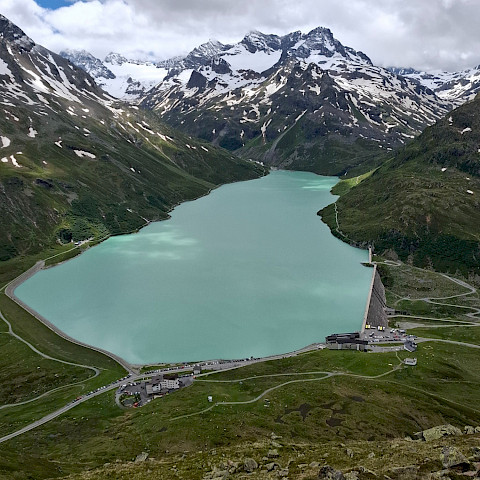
{"points": [[452, 457], [141, 457], [436, 433]]}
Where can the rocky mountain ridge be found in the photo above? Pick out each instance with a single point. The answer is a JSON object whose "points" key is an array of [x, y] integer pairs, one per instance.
{"points": [[301, 101], [122, 78], [456, 87]]}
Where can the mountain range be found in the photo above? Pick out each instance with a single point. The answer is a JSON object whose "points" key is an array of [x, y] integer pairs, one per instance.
{"points": [[301, 101], [456, 87], [125, 79]]}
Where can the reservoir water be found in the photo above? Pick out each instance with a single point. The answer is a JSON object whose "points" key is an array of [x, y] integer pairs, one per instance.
{"points": [[248, 270]]}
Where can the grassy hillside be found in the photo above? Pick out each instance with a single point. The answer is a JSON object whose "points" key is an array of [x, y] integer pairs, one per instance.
{"points": [[309, 412], [132, 175], [423, 203]]}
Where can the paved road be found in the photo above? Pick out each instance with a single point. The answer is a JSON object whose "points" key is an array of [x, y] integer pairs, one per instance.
{"points": [[48, 357], [58, 412], [214, 365]]}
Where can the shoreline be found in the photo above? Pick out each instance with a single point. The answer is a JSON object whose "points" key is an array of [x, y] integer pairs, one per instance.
{"points": [[133, 367], [130, 367], [10, 293]]}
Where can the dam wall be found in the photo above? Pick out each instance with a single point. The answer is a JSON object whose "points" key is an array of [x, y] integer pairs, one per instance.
{"points": [[375, 314]]}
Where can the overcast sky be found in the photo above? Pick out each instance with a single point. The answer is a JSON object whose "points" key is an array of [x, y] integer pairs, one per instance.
{"points": [[425, 34]]}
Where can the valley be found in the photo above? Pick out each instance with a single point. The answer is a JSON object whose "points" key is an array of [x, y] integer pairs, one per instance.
{"points": [[93, 151]]}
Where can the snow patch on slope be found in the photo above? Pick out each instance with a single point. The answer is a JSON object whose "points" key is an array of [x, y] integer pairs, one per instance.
{"points": [[240, 58]]}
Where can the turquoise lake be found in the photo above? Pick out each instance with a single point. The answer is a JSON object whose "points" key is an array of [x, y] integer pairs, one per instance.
{"points": [[249, 270]]}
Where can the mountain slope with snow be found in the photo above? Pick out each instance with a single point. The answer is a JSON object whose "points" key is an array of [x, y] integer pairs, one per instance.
{"points": [[299, 101], [122, 78], [75, 164], [455, 87]]}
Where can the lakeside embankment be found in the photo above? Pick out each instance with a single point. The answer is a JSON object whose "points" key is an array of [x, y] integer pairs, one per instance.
{"points": [[10, 293]]}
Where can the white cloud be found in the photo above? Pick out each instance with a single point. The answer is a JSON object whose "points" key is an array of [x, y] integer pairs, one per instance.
{"points": [[426, 34]]}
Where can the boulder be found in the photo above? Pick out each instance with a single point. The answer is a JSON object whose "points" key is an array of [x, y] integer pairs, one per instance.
{"points": [[452, 457], [273, 453], [141, 457], [233, 467], [436, 433], [366, 473], [250, 465], [475, 457], [468, 430], [349, 452], [271, 466], [329, 473], [283, 473], [216, 474]]}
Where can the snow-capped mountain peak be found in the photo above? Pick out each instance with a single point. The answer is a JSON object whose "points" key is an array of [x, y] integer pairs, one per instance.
{"points": [[248, 96], [209, 49], [256, 41], [115, 59], [86, 61]]}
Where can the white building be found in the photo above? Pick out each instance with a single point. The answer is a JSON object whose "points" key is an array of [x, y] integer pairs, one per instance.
{"points": [[159, 383], [171, 383]]}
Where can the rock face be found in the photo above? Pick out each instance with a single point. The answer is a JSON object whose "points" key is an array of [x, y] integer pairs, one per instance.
{"points": [[329, 473], [435, 433], [86, 61], [11, 33]]}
